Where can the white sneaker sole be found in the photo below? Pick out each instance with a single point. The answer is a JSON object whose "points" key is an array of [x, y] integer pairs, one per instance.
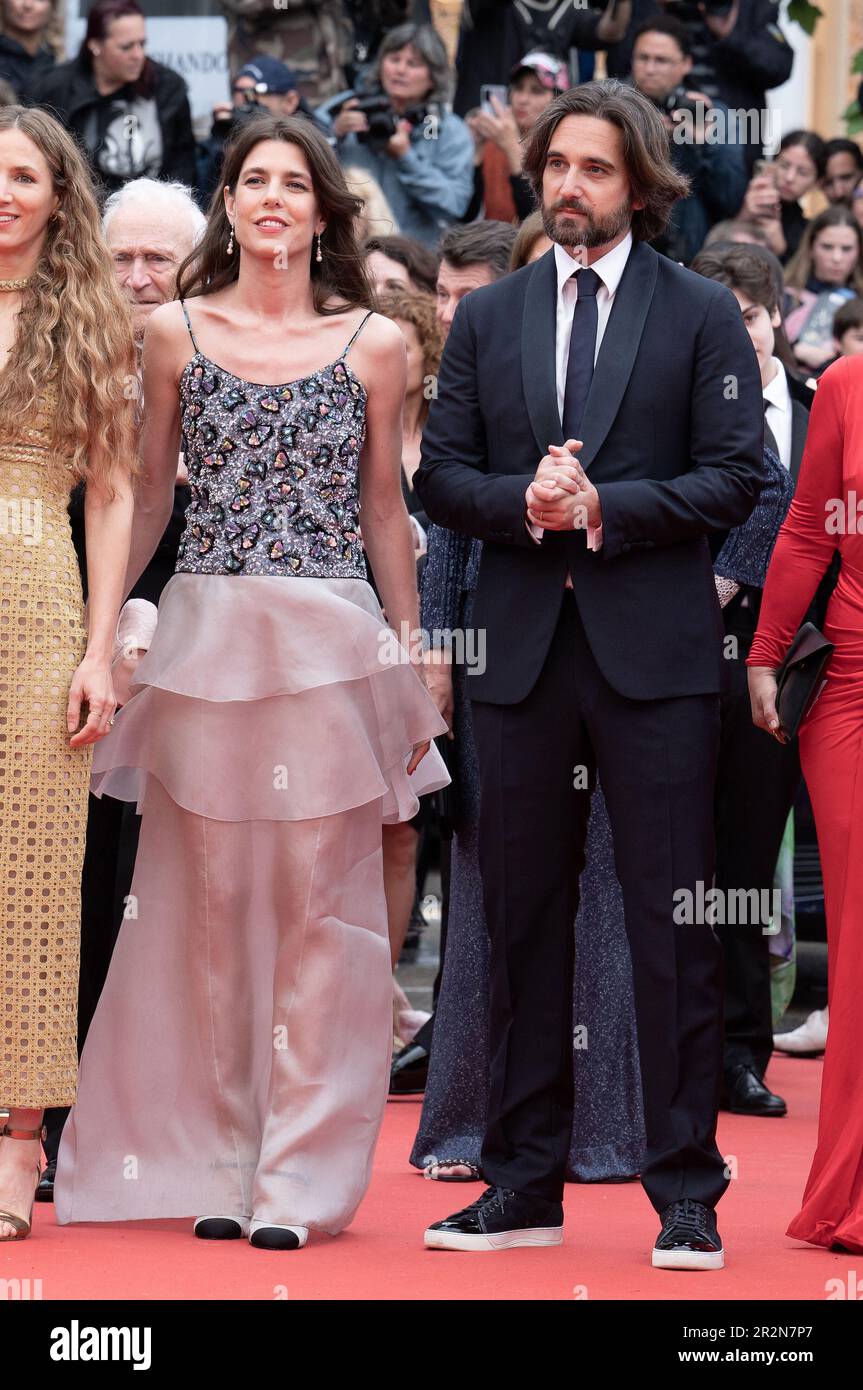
{"points": [[503, 1240], [688, 1259]]}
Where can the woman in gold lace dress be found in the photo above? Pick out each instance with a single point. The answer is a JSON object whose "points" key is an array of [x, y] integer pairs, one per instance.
{"points": [[67, 378]]}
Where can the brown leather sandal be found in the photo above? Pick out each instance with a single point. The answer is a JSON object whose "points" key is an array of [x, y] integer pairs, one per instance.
{"points": [[22, 1224]]}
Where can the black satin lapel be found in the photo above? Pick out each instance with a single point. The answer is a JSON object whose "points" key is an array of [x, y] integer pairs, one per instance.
{"points": [[538, 335], [799, 425], [620, 343]]}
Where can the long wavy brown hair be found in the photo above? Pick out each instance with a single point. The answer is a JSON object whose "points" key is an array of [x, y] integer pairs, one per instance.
{"points": [[73, 330], [342, 271], [646, 148]]}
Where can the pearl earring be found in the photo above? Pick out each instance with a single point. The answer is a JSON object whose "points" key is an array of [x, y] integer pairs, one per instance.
{"points": [[319, 257], [231, 241]]}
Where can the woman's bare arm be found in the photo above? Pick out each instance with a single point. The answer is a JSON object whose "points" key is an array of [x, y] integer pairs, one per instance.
{"points": [[107, 533], [384, 517], [164, 341]]}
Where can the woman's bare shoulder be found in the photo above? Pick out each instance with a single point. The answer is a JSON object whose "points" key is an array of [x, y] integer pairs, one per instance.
{"points": [[167, 342], [382, 339], [167, 325]]}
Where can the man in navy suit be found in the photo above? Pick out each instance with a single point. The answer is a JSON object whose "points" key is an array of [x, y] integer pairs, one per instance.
{"points": [[635, 385]]}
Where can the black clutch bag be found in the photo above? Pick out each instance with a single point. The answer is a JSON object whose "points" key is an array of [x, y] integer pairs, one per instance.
{"points": [[800, 679], [446, 799]]}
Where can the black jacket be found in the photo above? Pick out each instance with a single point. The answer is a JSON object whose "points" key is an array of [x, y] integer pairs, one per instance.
{"points": [[70, 93], [673, 433], [21, 68]]}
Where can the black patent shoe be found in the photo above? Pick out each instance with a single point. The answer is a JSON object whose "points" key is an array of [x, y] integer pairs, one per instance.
{"points": [[409, 1071], [689, 1238], [744, 1093], [45, 1190], [499, 1220]]}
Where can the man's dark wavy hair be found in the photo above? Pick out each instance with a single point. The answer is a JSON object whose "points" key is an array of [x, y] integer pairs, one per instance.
{"points": [[653, 178]]}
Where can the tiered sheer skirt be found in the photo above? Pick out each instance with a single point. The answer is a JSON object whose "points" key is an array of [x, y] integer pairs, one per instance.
{"points": [[238, 1061]]}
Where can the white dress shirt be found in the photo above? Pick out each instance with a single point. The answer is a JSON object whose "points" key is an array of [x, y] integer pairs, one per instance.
{"points": [[609, 268], [778, 412]]}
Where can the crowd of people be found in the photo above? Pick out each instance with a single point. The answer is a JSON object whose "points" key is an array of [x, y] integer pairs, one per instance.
{"points": [[366, 357]]}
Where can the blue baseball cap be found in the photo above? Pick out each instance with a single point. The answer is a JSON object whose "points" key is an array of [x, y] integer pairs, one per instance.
{"points": [[269, 75]]}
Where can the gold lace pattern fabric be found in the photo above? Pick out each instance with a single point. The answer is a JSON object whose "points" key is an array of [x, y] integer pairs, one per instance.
{"points": [[43, 782]]}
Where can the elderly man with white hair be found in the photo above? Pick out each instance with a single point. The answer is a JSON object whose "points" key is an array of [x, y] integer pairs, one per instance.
{"points": [[150, 228]]}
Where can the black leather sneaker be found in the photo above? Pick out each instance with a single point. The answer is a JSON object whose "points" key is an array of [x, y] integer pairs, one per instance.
{"points": [[499, 1220], [689, 1238]]}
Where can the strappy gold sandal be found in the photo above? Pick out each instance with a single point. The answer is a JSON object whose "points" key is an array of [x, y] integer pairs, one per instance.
{"points": [[22, 1224]]}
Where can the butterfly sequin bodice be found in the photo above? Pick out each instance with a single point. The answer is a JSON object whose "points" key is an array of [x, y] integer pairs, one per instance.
{"points": [[273, 472]]}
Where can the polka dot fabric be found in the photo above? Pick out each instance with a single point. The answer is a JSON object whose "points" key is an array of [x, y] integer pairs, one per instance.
{"points": [[43, 782]]}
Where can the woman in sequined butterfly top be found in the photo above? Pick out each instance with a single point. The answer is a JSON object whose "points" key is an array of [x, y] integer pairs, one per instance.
{"points": [[276, 723]]}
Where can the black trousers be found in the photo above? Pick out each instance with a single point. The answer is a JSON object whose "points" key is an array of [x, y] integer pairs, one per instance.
{"points": [[109, 860], [657, 762], [756, 784]]}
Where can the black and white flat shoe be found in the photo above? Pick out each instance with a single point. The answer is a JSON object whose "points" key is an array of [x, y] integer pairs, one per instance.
{"points": [[689, 1238], [221, 1227], [265, 1236]]}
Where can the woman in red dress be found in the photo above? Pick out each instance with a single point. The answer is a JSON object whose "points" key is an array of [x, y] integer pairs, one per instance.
{"points": [[827, 514]]}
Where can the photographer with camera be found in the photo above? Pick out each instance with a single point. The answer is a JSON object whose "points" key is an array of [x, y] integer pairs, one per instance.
{"points": [[661, 64], [401, 130], [263, 85], [739, 52]]}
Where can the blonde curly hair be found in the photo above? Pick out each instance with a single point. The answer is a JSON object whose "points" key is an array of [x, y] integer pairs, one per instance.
{"points": [[73, 329]]}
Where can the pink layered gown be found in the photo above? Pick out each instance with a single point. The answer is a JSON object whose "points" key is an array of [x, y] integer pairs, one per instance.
{"points": [[238, 1060]]}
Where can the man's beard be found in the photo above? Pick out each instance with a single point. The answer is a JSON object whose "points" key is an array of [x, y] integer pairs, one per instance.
{"points": [[593, 231]]}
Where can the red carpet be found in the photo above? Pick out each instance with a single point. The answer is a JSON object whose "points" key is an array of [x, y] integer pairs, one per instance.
{"points": [[610, 1230]]}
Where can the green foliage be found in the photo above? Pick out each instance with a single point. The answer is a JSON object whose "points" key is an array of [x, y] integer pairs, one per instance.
{"points": [[805, 14]]}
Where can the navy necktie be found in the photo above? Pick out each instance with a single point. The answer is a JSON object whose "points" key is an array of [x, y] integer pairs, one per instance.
{"points": [[582, 345]]}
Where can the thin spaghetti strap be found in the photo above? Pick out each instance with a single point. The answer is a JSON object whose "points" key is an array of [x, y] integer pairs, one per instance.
{"points": [[356, 335], [188, 324]]}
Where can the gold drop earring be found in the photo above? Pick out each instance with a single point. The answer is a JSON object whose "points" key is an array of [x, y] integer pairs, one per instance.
{"points": [[231, 241], [319, 257]]}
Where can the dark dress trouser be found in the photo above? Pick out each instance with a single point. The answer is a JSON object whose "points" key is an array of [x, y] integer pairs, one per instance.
{"points": [[756, 784], [657, 763]]}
